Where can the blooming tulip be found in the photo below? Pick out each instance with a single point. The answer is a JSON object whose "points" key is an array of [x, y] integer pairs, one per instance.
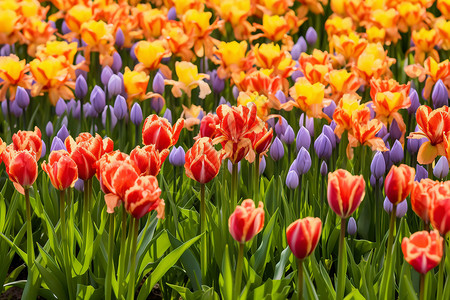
{"points": [[21, 167], [202, 161], [143, 197], [303, 236], [423, 250], [399, 183], [246, 221], [28, 140], [61, 169], [422, 198], [158, 131], [439, 214]]}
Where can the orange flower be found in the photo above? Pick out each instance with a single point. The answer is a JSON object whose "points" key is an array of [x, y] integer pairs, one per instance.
{"points": [[232, 58], [433, 124], [99, 38], [246, 221], [21, 167], [387, 19], [350, 46], [9, 27], [202, 161], [345, 192], [180, 44], [152, 22], [315, 66], [424, 43], [148, 159], [61, 169], [444, 8], [76, 16], [136, 83], [439, 215], [236, 13], [268, 56], [143, 197], [399, 183], [189, 79], [348, 110], [423, 250], [261, 102], [28, 140], [365, 134], [373, 62], [303, 235], [273, 27], [13, 74], [262, 82], [61, 50], [342, 82], [411, 15], [443, 27], [157, 131], [336, 25], [150, 54], [422, 198], [375, 34], [36, 32]]}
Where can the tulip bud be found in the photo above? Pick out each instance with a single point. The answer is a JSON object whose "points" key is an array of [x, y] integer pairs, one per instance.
{"points": [[120, 38], [373, 181], [421, 173], [303, 235], [5, 50], [106, 75], [81, 87], [114, 86], [292, 180], [49, 129], [136, 114], [415, 103], [22, 97], [76, 111], [296, 52], [113, 119], [303, 138], [439, 95], [61, 107], [330, 135], [79, 185], [323, 147], [217, 83], [323, 168], [311, 36], [280, 96], [172, 14], [157, 104], [398, 183], [63, 133], [246, 221], [396, 154], [168, 115], [230, 166], [329, 110], [288, 136], [117, 62], [158, 84], [402, 209], [177, 156], [277, 149], [64, 28], [345, 192], [303, 161], [120, 107], [21, 167], [423, 250], [43, 150], [57, 144], [351, 226], [16, 110], [235, 91], [280, 127], [441, 168], [61, 169], [98, 99], [302, 43], [79, 72], [296, 74], [378, 165], [308, 123], [394, 130]]}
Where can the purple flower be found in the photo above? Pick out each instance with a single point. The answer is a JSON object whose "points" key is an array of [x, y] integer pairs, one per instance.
{"points": [[303, 138], [217, 83], [158, 84], [157, 104], [329, 110], [81, 87], [113, 119], [262, 165], [64, 28], [22, 97], [223, 101], [296, 51], [373, 181], [351, 226], [117, 62], [98, 99], [57, 144], [49, 129], [421, 173], [5, 50], [378, 165], [280, 127], [44, 149], [172, 14], [330, 135], [394, 130], [106, 75], [288, 136], [16, 110], [308, 123], [276, 149], [120, 38], [177, 156], [396, 154], [235, 92], [230, 166], [323, 147], [76, 111], [402, 209], [61, 107], [168, 115], [132, 53], [441, 168], [303, 161], [439, 95], [280, 96], [292, 180], [79, 185], [114, 86], [79, 59], [302, 43], [414, 97], [296, 75], [120, 107], [136, 114], [311, 36], [63, 133], [323, 168]]}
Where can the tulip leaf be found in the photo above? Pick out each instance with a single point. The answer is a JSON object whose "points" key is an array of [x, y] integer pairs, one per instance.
{"points": [[320, 279], [226, 279], [258, 259], [281, 265], [205, 293], [271, 289]]}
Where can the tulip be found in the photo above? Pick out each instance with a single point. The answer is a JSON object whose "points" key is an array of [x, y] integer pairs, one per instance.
{"points": [[421, 173], [439, 95], [202, 161], [148, 159], [168, 115], [136, 114], [158, 131], [292, 180], [217, 83], [422, 198], [97, 98], [396, 153], [323, 168], [296, 51], [395, 131], [120, 107], [378, 165], [303, 161], [61, 107], [414, 97], [439, 214], [399, 183], [63, 133], [311, 36], [158, 84], [105, 76], [177, 157], [288, 136], [277, 150], [423, 250], [323, 147], [329, 133], [303, 138], [120, 38], [44, 150], [81, 87], [57, 144], [114, 86], [22, 98], [117, 62], [441, 168], [16, 110], [61, 169], [351, 226], [28, 140]]}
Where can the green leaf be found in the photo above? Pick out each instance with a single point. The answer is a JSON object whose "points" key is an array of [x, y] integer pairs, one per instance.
{"points": [[258, 260], [226, 277], [281, 265], [272, 289], [354, 295]]}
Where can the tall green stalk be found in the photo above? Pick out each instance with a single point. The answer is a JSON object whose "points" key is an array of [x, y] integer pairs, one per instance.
{"points": [[300, 279], [109, 269], [234, 186], [385, 281], [30, 244], [239, 265], [256, 180], [342, 263], [122, 256], [203, 252], [422, 287], [440, 284], [65, 244], [134, 234]]}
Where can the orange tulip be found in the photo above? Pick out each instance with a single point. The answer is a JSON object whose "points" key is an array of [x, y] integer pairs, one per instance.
{"points": [[148, 159], [143, 197], [422, 198], [28, 140], [440, 210], [21, 167], [13, 74], [303, 235], [61, 169], [315, 66], [158, 131], [202, 161], [273, 27], [349, 46], [246, 221], [189, 79], [349, 109], [232, 58], [76, 16], [423, 250], [336, 25], [152, 22], [345, 192], [150, 54], [399, 183]]}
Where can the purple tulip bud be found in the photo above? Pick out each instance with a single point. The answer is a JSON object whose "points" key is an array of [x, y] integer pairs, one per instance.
{"points": [[79, 185], [65, 121], [262, 165], [168, 115], [64, 28], [387, 205], [308, 123], [223, 101], [22, 97], [49, 129], [132, 53], [323, 168], [396, 154], [382, 133], [16, 110], [395, 131], [61, 107], [288, 136], [296, 75], [120, 107], [44, 149], [293, 166], [106, 75], [439, 95], [114, 86], [280, 127], [230, 166], [177, 156], [172, 14], [280, 96], [113, 119], [136, 114], [296, 51], [235, 92], [71, 105], [98, 99], [303, 138], [81, 87], [120, 38], [89, 111], [57, 144], [329, 110], [441, 168], [378, 165], [79, 72], [402, 209], [323, 147], [292, 180], [5, 50], [351, 226], [330, 135], [421, 173], [276, 149], [158, 84], [302, 43], [63, 133], [303, 161], [117, 62], [373, 181], [415, 103], [201, 114], [157, 104], [372, 111], [311, 36], [76, 111]]}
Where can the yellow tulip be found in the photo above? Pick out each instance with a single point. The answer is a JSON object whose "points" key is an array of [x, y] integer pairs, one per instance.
{"points": [[150, 53], [78, 15], [8, 21], [135, 84]]}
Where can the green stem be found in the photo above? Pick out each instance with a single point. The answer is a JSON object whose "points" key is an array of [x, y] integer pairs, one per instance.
{"points": [[240, 262], [422, 287], [234, 185], [30, 244], [65, 246], [256, 181], [300, 279], [123, 246], [342, 263], [203, 252], [109, 269], [85, 208], [385, 281], [134, 234], [440, 285]]}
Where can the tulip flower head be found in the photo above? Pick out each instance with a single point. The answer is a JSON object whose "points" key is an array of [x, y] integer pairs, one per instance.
{"points": [[303, 236], [61, 169], [158, 131], [423, 250], [202, 161], [28, 140], [422, 198], [399, 183], [21, 167], [144, 196], [246, 221], [148, 159]]}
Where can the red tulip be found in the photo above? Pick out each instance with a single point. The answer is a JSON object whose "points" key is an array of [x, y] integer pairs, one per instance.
{"points": [[303, 236], [21, 167], [423, 250], [86, 150], [208, 126], [148, 159], [246, 221], [158, 131], [61, 169], [345, 192], [143, 197], [399, 182], [28, 140], [202, 161], [440, 214], [421, 198]]}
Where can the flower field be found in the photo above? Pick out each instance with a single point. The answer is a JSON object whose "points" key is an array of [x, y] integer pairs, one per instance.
{"points": [[224, 149]]}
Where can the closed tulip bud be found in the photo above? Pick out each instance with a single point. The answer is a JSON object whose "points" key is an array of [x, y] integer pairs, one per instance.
{"points": [[280, 96], [373, 181], [423, 250], [323, 168], [303, 138], [292, 180], [223, 101], [158, 84], [79, 185], [157, 104], [98, 100], [172, 14], [217, 83], [117, 62], [387, 205], [79, 72], [120, 38], [114, 86], [303, 161], [246, 221], [202, 161], [439, 95], [143, 197], [396, 154], [5, 109], [329, 110], [303, 235], [49, 129], [280, 127], [5, 50], [378, 165], [308, 123], [61, 169], [262, 166], [133, 53], [57, 144], [421, 173], [235, 91], [345, 192], [330, 135], [395, 131], [120, 107], [323, 147], [106, 75], [422, 198], [44, 150], [177, 156], [16, 110], [441, 168], [402, 209], [302, 43], [399, 183], [168, 115], [81, 87], [113, 119], [136, 114], [64, 28], [311, 36], [296, 52], [158, 131], [413, 145], [288, 136], [61, 107], [230, 166], [351, 226], [76, 111], [415, 103], [21, 167], [63, 133], [22, 97], [277, 149]]}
